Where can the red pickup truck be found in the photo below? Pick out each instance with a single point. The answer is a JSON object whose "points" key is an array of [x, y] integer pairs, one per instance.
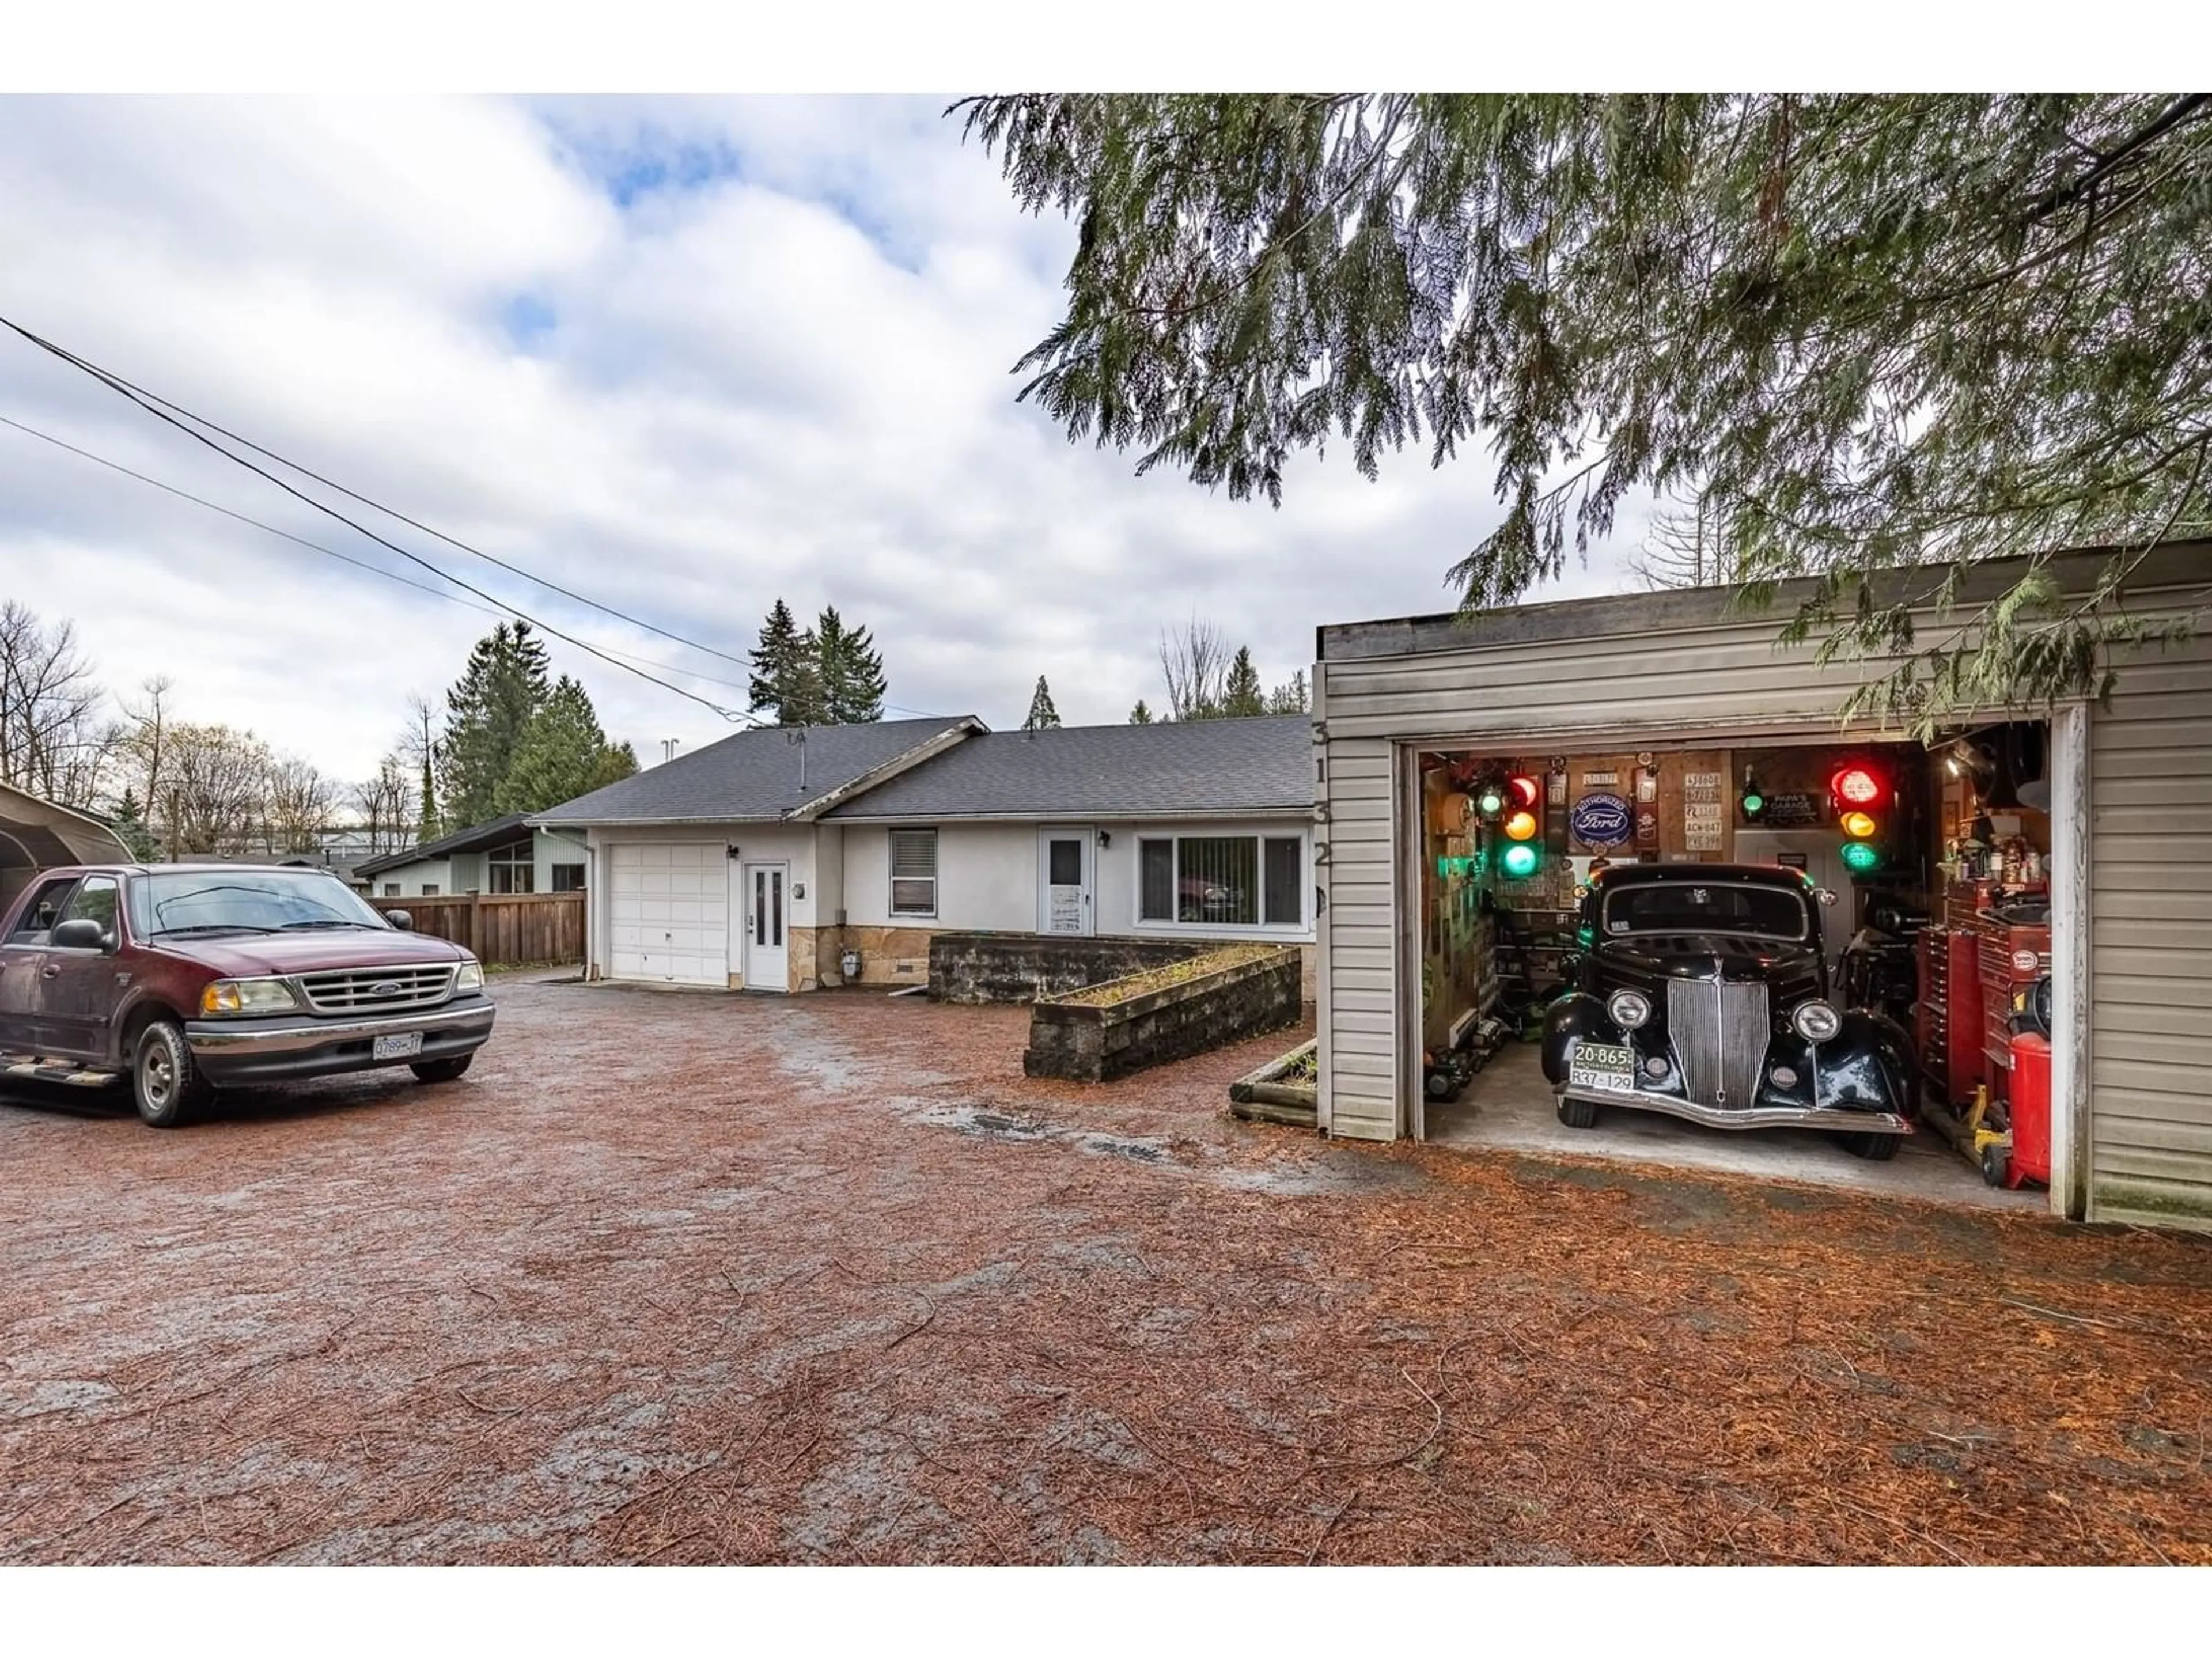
{"points": [[187, 977]]}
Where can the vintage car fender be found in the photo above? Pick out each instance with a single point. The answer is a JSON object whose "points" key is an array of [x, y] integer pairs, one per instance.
{"points": [[1574, 1016], [1868, 1065]]}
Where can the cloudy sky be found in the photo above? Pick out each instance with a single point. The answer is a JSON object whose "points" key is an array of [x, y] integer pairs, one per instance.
{"points": [[682, 356]]}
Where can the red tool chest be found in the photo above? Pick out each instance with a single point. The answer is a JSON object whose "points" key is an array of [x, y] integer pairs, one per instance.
{"points": [[1952, 1023], [2009, 956]]}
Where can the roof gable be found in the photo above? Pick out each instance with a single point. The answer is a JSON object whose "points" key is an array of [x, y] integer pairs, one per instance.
{"points": [[770, 772]]}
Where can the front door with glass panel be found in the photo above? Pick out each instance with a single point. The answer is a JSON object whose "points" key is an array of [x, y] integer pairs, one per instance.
{"points": [[768, 959], [1066, 867]]}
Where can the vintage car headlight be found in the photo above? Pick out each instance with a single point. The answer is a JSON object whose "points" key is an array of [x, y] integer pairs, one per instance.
{"points": [[468, 976], [1816, 1022], [247, 996], [1628, 1009]]}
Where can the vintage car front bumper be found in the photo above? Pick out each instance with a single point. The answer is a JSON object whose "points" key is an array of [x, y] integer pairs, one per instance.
{"points": [[300, 1045], [1744, 1117]]}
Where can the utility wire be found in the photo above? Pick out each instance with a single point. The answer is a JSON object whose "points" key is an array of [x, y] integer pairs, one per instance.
{"points": [[330, 552], [375, 570], [118, 382], [130, 394]]}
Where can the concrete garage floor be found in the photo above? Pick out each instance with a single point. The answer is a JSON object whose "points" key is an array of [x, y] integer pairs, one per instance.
{"points": [[1509, 1107]]}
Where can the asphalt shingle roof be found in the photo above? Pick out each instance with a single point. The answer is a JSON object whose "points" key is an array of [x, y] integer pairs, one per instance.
{"points": [[493, 832], [749, 774], [1210, 767]]}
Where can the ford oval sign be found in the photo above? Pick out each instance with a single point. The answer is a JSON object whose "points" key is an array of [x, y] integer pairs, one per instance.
{"points": [[1602, 821]]}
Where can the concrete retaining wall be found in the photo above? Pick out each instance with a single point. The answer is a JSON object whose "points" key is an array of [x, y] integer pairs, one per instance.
{"points": [[1090, 1043], [1023, 967]]}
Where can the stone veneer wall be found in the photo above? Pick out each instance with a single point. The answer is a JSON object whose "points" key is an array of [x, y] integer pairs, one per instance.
{"points": [[1022, 967], [1095, 1043]]}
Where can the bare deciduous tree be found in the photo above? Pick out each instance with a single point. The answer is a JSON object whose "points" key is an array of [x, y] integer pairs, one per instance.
{"points": [[1689, 544], [387, 804], [53, 742], [215, 787], [1195, 660], [300, 800]]}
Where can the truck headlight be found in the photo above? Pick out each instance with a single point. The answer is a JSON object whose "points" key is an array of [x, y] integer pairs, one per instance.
{"points": [[1628, 1009], [1816, 1022], [468, 976], [247, 996]]}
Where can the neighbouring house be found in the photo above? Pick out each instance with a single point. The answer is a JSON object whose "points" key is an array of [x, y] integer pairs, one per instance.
{"points": [[760, 861], [502, 856], [36, 834]]}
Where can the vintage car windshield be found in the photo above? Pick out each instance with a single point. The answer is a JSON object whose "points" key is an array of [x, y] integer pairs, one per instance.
{"points": [[245, 901], [1681, 907]]}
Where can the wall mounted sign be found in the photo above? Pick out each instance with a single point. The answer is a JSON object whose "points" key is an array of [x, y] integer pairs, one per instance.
{"points": [[1647, 826], [1602, 821], [1600, 780], [1794, 810]]}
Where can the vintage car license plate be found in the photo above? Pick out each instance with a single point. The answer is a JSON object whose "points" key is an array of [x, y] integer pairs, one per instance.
{"points": [[404, 1045], [1602, 1066]]}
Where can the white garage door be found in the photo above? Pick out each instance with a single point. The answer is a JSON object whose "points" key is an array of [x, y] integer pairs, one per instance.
{"points": [[669, 912]]}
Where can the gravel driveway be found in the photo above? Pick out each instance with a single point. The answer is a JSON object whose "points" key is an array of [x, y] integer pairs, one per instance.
{"points": [[697, 1278]]}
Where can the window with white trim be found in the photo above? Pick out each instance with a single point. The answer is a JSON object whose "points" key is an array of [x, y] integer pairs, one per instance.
{"points": [[1221, 881], [913, 872], [512, 868], [567, 878], [391, 889]]}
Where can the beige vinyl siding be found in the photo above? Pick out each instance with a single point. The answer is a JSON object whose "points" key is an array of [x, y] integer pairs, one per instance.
{"points": [[1358, 1030], [2150, 917]]}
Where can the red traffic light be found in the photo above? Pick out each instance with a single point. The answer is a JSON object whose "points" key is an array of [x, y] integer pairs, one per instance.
{"points": [[1854, 785], [1524, 789]]}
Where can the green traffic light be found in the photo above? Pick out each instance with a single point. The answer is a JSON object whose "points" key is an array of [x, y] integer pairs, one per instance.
{"points": [[1521, 861], [1492, 804], [1753, 804], [1859, 857]]}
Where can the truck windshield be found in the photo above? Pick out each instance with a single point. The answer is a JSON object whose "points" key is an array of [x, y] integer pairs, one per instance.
{"points": [[1681, 907], [244, 901]]}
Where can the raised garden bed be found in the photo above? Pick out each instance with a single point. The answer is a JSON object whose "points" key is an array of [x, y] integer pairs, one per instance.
{"points": [[1281, 1091], [1165, 1013]]}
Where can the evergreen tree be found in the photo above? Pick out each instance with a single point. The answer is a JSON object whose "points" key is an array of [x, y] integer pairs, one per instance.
{"points": [[1241, 696], [562, 754], [129, 824], [852, 682], [1290, 698], [1866, 332], [487, 711], [805, 699], [1141, 715], [1042, 714], [780, 650]]}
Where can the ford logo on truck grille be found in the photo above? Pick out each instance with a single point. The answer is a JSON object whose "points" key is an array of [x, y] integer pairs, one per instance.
{"points": [[385, 988]]}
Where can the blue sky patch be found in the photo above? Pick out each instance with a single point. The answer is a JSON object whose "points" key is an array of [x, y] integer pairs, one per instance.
{"points": [[527, 319]]}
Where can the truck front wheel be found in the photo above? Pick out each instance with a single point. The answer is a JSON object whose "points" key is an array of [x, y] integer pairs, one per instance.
{"points": [[165, 1085]]}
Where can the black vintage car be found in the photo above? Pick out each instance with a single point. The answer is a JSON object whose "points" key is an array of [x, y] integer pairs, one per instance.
{"points": [[1701, 991]]}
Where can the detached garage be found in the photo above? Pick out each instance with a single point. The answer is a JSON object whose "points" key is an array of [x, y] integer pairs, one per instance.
{"points": [[2031, 877]]}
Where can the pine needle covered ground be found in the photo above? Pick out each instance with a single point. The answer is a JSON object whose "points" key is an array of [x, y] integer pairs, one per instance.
{"points": [[694, 1278]]}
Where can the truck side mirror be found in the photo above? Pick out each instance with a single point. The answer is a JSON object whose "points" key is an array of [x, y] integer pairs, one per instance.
{"points": [[400, 920], [78, 933]]}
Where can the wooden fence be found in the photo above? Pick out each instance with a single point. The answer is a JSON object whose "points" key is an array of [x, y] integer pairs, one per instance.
{"points": [[503, 928]]}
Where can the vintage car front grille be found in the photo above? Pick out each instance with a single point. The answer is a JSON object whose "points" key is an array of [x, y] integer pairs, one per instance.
{"points": [[378, 990], [1721, 1029]]}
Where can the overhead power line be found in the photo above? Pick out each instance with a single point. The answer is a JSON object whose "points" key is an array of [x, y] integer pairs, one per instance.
{"points": [[148, 402], [140, 392], [329, 552]]}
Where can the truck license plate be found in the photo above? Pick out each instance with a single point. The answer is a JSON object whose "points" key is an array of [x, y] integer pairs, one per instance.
{"points": [[402, 1045], [1602, 1066]]}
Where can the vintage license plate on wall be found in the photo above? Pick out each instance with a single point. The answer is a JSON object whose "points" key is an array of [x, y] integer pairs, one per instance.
{"points": [[1602, 1066]]}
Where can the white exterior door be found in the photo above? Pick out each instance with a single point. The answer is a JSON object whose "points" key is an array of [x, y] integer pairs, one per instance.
{"points": [[668, 915], [765, 902], [1067, 868]]}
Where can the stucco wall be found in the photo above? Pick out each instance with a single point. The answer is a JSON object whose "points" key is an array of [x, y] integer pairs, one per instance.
{"points": [[986, 877]]}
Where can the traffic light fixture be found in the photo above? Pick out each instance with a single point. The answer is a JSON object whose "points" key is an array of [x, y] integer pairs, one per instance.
{"points": [[1522, 856], [1859, 798]]}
